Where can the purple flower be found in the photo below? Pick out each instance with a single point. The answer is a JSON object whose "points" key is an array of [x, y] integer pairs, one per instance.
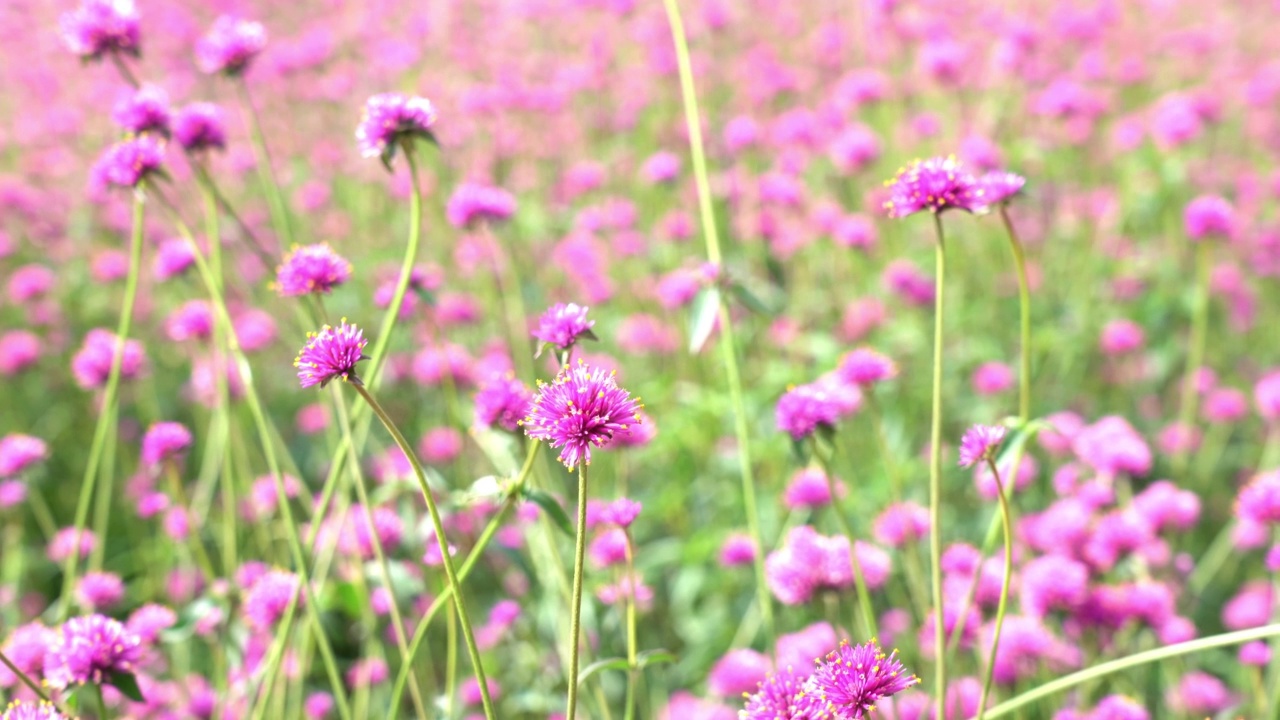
{"points": [[19, 452], [1053, 582], [936, 184], [561, 325], [200, 126], [802, 409], [737, 549], [144, 110], [19, 350], [583, 407], [1000, 187], [738, 672], [329, 354], [901, 523], [148, 621], [781, 696], [503, 401], [1209, 216], [980, 443], [100, 590], [865, 366], [130, 161], [90, 649], [31, 710], [1259, 500], [311, 269], [25, 647], [1111, 446], [193, 320], [98, 27], [230, 45], [268, 598], [392, 118], [622, 512], [808, 489], [471, 203], [92, 364], [164, 440], [855, 677]]}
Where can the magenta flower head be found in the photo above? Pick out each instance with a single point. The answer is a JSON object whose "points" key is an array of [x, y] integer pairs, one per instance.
{"points": [[164, 441], [99, 27], [390, 119], [472, 203], [806, 408], [781, 695], [268, 599], [503, 401], [936, 184], [1208, 216], [980, 443], [30, 710], [561, 326], [230, 45], [583, 407], [19, 452], [90, 649], [330, 354], [311, 269], [130, 161], [145, 110], [998, 188], [865, 366], [200, 126], [91, 365], [853, 678]]}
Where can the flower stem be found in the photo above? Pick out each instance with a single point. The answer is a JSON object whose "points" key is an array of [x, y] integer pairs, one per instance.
{"points": [[26, 680], [1024, 317], [935, 476], [633, 672], [859, 581], [406, 268], [454, 582], [1006, 519], [108, 412], [728, 345], [266, 173], [1195, 352], [579, 555]]}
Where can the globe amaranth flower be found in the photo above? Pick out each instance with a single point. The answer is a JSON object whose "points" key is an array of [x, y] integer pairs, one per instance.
{"points": [[936, 184], [230, 45], [90, 649], [503, 401], [582, 408], [1259, 500], [130, 161], [1209, 216], [163, 441], [92, 363], [805, 408], [471, 203], [853, 678], [145, 110], [330, 354], [31, 710], [390, 119], [562, 324], [269, 597], [1000, 187], [99, 27], [200, 126], [19, 452], [781, 696], [25, 647], [311, 269], [864, 366], [980, 443]]}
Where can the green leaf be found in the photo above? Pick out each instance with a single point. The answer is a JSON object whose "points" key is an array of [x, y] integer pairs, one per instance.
{"points": [[552, 507], [750, 300], [127, 684], [597, 666], [702, 317], [654, 657], [499, 448]]}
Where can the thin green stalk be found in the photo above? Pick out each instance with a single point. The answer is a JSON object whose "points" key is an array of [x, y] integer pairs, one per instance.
{"points": [[1195, 353], [1006, 519], [266, 172], [579, 555], [633, 672], [100, 702], [728, 344], [108, 414], [935, 477], [1024, 317], [859, 581], [886, 457], [1062, 684], [17, 672], [436, 523], [450, 658]]}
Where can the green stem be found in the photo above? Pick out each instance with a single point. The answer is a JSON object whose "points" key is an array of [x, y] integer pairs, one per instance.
{"points": [[1006, 519], [100, 702], [633, 674], [108, 412], [728, 344], [859, 581], [32, 684], [266, 172], [458, 600], [1195, 353], [886, 457], [579, 555], [935, 477], [1053, 687], [1024, 317], [406, 268]]}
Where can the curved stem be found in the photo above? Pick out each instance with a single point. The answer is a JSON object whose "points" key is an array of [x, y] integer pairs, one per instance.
{"points": [[728, 344], [579, 555], [108, 412], [406, 268], [23, 677], [1024, 317], [266, 172], [1006, 519], [935, 477], [438, 526]]}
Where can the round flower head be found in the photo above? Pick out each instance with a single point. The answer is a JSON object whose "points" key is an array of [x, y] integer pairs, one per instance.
{"points": [[19, 350], [29, 710], [142, 111], [853, 678], [780, 697], [88, 650], [471, 203], [200, 126], [25, 647], [130, 161], [230, 45], [980, 443], [1208, 216], [583, 407], [865, 366], [392, 118], [268, 599], [561, 325], [804, 408], [935, 185], [329, 354], [1000, 187], [311, 269], [164, 440], [92, 363], [502, 401], [19, 452], [98, 27]]}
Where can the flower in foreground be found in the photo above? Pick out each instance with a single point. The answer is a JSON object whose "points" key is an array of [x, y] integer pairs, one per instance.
{"points": [[89, 650], [230, 45], [311, 269], [101, 26], [329, 354], [853, 678], [583, 407], [780, 697], [391, 118], [562, 324], [935, 185], [30, 710], [130, 161], [979, 443]]}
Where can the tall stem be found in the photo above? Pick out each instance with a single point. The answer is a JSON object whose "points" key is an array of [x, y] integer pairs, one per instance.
{"points": [[1195, 353], [1006, 519], [406, 266], [108, 412], [458, 600], [266, 172], [579, 555], [633, 672], [935, 476], [859, 581], [1024, 317], [728, 344]]}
